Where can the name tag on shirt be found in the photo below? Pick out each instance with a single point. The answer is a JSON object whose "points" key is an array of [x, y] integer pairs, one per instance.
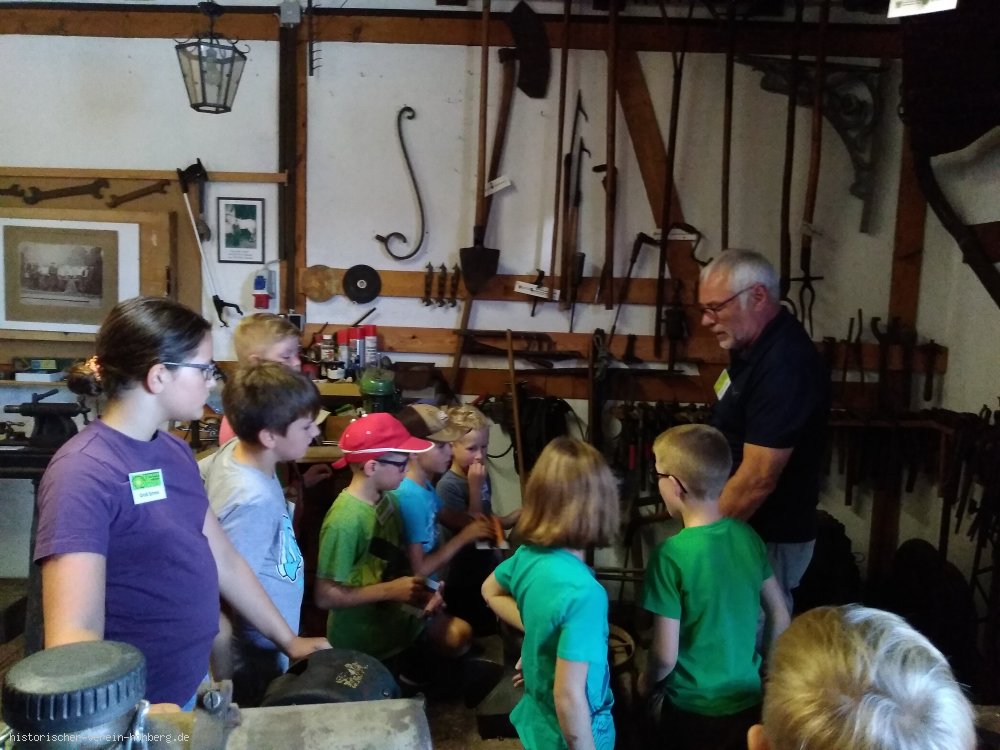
{"points": [[722, 384], [147, 486]]}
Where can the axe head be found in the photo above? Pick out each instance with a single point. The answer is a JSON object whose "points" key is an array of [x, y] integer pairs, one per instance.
{"points": [[194, 173], [533, 51]]}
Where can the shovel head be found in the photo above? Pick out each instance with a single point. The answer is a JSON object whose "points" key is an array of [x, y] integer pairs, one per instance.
{"points": [[479, 265]]}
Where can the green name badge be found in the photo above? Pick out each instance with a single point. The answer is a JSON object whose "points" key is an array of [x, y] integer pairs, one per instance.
{"points": [[147, 486], [722, 384]]}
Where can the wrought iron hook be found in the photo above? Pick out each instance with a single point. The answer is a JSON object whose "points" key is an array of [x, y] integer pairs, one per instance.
{"points": [[409, 113]]}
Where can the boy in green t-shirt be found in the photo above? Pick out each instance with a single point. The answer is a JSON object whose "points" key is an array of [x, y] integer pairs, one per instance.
{"points": [[705, 587], [362, 573]]}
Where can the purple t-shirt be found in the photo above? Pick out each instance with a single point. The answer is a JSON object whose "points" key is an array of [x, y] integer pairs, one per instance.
{"points": [[162, 588]]}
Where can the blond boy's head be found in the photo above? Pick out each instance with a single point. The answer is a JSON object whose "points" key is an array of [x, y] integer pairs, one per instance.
{"points": [[474, 440], [468, 417], [265, 337], [855, 677], [698, 455]]}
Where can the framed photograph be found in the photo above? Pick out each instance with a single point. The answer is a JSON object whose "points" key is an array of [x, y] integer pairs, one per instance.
{"points": [[241, 230], [65, 275]]}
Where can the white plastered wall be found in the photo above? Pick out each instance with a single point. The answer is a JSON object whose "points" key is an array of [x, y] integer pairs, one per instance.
{"points": [[119, 104]]}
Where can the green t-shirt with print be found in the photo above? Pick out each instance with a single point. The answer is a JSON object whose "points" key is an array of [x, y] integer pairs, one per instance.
{"points": [[360, 545]]}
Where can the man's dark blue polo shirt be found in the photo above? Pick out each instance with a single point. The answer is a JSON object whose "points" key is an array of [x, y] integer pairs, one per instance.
{"points": [[779, 397]]}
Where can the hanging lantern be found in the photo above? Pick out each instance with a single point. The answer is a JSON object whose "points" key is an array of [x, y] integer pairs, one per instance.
{"points": [[211, 66]]}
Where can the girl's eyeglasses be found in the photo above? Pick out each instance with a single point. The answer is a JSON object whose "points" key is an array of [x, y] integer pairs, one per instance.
{"points": [[210, 371]]}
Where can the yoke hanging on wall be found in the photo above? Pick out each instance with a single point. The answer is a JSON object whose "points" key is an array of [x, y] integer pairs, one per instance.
{"points": [[211, 66]]}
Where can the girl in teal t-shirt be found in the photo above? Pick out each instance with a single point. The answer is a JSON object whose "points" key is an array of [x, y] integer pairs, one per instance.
{"points": [[546, 590]]}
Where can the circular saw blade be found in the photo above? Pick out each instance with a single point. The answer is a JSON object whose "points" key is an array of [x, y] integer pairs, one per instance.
{"points": [[362, 283]]}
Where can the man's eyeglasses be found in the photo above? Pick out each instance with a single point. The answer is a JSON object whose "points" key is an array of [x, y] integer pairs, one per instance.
{"points": [[210, 370], [657, 476], [400, 465], [713, 309]]}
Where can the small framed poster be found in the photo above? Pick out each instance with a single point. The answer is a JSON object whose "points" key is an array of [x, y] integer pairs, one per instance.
{"points": [[241, 230]]}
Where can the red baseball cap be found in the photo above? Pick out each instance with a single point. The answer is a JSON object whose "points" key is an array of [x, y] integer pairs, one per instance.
{"points": [[375, 434]]}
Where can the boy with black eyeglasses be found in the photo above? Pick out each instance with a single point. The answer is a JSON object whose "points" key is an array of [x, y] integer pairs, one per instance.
{"points": [[363, 575], [705, 587]]}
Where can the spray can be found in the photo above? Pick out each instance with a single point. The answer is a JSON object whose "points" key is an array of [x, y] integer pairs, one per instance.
{"points": [[371, 345], [343, 346], [356, 342]]}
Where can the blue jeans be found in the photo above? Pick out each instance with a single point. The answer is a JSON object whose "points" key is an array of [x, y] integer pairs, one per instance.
{"points": [[789, 561]]}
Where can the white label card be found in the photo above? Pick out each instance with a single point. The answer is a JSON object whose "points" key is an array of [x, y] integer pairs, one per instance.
{"points": [[900, 8], [495, 186]]}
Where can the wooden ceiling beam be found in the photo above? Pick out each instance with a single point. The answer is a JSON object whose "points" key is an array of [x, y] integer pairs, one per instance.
{"points": [[588, 32]]}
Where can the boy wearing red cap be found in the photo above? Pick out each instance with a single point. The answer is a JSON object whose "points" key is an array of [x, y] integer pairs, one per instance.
{"points": [[362, 569]]}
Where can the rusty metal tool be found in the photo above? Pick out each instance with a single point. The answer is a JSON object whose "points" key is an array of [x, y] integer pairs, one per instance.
{"points": [[515, 402], [576, 274], [930, 352], [846, 362], [427, 300], [35, 195], [408, 113], [539, 277], [571, 196], [807, 292], [641, 239], [668, 178], [611, 177], [674, 324], [160, 186], [560, 126], [442, 286], [785, 256], [456, 277]]}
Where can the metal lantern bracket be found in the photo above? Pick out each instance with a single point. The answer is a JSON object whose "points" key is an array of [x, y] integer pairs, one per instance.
{"points": [[852, 102]]}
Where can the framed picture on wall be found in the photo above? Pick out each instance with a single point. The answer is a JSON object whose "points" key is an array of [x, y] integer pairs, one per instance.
{"points": [[65, 275], [241, 230]]}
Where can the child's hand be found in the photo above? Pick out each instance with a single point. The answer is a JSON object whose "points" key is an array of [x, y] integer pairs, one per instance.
{"points": [[435, 604], [518, 680], [316, 474], [407, 590], [300, 648], [481, 527], [476, 475]]}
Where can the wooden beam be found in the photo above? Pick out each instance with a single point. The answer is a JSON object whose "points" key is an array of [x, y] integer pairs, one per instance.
{"points": [[640, 118], [908, 246], [137, 174], [381, 27], [139, 23]]}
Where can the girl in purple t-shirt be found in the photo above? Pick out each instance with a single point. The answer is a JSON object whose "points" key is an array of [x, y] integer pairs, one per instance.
{"points": [[128, 547]]}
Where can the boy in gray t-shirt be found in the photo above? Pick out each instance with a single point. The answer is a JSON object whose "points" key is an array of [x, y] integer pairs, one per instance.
{"points": [[272, 410]]}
